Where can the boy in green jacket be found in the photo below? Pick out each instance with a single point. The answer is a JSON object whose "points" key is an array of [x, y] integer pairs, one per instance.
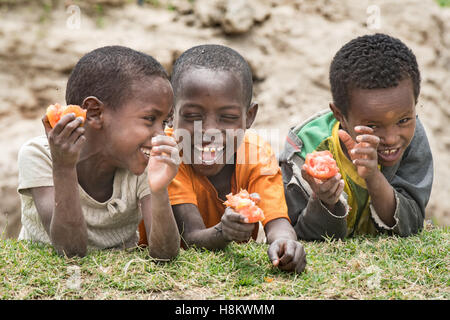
{"points": [[380, 146]]}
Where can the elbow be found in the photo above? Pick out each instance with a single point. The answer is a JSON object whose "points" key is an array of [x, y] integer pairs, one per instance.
{"points": [[71, 252], [164, 251], [164, 254]]}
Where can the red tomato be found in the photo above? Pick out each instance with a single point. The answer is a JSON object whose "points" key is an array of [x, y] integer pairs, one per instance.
{"points": [[245, 204], [56, 111], [321, 165]]}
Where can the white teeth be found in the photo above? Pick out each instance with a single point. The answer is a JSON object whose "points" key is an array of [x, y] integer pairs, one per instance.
{"points": [[390, 151], [145, 151], [208, 149]]}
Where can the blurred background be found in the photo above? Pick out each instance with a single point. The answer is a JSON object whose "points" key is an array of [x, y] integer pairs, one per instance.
{"points": [[288, 43]]}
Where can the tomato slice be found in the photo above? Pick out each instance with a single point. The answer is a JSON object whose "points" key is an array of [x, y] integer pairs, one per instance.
{"points": [[168, 131], [321, 165], [56, 111], [79, 112], [246, 204]]}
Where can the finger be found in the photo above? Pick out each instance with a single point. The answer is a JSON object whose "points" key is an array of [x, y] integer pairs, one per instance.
{"points": [[329, 195], [330, 185], [238, 226], [236, 235], [166, 159], [69, 127], [368, 138], [363, 129], [61, 124], [163, 140], [164, 149], [46, 124], [232, 216], [364, 153], [346, 139], [368, 163], [273, 253], [339, 189], [78, 144], [76, 134], [300, 260], [288, 253], [310, 179]]}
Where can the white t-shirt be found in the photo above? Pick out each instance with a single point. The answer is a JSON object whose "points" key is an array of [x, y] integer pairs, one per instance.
{"points": [[110, 224]]}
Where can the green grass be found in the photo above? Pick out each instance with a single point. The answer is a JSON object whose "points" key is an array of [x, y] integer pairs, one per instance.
{"points": [[359, 268]]}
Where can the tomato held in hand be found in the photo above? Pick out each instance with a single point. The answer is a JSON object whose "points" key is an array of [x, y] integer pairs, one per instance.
{"points": [[246, 204], [55, 112], [321, 165]]}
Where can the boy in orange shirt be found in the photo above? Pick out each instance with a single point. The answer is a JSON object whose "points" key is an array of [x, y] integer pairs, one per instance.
{"points": [[213, 91]]}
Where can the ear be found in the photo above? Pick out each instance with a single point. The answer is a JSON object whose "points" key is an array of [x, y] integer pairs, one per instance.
{"points": [[251, 114], [338, 115], [94, 111]]}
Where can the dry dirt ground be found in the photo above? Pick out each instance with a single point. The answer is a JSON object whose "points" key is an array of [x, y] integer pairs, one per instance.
{"points": [[289, 45]]}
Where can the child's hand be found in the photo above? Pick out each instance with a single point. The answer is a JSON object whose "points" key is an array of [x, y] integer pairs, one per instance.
{"points": [[163, 163], [288, 255], [65, 140], [328, 191], [363, 152], [234, 226]]}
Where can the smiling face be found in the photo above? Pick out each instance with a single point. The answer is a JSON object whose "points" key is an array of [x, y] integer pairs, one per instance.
{"points": [[210, 107], [132, 126], [389, 112]]}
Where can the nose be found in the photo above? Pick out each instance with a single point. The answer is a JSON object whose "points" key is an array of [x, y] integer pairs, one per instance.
{"points": [[158, 129], [209, 123], [389, 136]]}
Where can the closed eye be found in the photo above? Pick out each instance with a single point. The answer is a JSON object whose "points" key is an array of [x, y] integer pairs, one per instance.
{"points": [[192, 116], [229, 117]]}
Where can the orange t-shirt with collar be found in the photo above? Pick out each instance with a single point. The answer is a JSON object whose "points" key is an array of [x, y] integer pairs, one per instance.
{"points": [[256, 170]]}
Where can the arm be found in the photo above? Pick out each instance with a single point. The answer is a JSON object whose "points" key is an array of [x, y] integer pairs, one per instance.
{"points": [[59, 206], [364, 155], [160, 225], [412, 181], [310, 217], [195, 233]]}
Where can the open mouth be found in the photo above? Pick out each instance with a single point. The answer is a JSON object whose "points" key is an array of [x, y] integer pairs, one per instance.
{"points": [[146, 152], [209, 154], [389, 155]]}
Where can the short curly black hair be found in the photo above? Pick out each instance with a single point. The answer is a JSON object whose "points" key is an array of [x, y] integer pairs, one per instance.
{"points": [[371, 62], [108, 74], [214, 57]]}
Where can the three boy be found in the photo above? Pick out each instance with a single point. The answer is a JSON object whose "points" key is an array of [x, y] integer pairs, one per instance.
{"points": [[372, 130]]}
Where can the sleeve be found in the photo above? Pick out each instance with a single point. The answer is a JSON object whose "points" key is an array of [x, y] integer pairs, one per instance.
{"points": [[309, 217], [265, 179], [412, 181], [181, 188], [143, 188], [35, 165]]}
